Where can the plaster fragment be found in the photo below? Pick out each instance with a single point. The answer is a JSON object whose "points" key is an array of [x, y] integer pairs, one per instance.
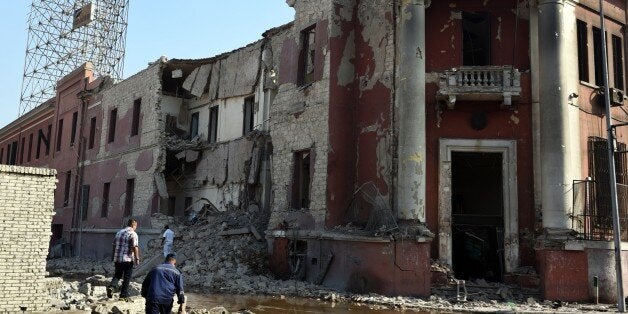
{"points": [[514, 119], [346, 70], [499, 28]]}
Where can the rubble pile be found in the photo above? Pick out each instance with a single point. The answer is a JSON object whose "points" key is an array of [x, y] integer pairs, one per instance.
{"points": [[226, 253]]}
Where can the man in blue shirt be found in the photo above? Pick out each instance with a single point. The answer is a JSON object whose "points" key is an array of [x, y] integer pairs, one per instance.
{"points": [[160, 286]]}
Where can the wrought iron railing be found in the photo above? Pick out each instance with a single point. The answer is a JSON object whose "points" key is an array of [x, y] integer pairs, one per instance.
{"points": [[592, 217]]}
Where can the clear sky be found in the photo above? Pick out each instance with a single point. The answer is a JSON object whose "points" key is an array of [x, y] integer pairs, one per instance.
{"points": [[176, 29]]}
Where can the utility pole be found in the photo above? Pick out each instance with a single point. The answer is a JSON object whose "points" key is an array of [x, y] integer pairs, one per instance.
{"points": [[621, 304]]}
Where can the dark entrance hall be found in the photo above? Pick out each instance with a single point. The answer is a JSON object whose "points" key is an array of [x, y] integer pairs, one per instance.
{"points": [[478, 215]]}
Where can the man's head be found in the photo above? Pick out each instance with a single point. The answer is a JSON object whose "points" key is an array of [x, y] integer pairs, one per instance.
{"points": [[171, 258], [132, 223], [166, 227]]}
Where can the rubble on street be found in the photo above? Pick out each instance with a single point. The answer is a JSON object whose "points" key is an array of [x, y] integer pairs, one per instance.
{"points": [[214, 260]]}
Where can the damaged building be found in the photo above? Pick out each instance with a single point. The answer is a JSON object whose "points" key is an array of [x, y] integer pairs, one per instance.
{"points": [[376, 136]]}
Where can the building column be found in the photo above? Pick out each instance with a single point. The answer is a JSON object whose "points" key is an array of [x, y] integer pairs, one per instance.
{"points": [[558, 114], [410, 110]]}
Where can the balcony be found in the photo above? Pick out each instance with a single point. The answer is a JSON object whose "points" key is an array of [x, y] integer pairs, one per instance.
{"points": [[480, 83]]}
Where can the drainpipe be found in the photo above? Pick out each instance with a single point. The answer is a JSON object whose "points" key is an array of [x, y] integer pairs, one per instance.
{"points": [[410, 109], [559, 120], [78, 182]]}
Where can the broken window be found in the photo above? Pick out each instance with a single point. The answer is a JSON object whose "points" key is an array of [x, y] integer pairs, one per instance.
{"points": [[13, 155], [66, 191], [30, 147], [105, 200], [84, 201], [113, 117], [74, 122], [618, 63], [597, 56], [172, 202], [135, 126], [128, 201], [308, 52], [583, 51], [213, 124], [22, 150], [1, 154], [301, 179], [248, 115], [194, 125], [59, 134], [476, 39], [92, 132], [8, 154]]}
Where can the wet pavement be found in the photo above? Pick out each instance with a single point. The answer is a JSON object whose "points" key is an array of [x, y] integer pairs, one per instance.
{"points": [[273, 304]]}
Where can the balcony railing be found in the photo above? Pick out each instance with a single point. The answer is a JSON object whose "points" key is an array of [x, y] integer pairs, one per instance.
{"points": [[481, 83]]}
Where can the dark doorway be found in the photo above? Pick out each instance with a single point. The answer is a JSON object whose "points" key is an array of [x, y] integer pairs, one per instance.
{"points": [[478, 215]]}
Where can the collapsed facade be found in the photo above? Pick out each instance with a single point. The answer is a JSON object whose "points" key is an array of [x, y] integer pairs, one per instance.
{"points": [[376, 136]]}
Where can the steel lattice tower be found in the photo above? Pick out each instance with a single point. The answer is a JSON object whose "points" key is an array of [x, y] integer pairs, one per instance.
{"points": [[64, 34]]}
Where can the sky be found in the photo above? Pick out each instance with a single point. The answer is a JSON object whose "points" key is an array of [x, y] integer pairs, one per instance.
{"points": [[185, 29]]}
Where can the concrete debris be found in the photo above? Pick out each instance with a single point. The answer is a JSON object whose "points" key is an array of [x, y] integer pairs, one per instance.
{"points": [[177, 144], [236, 264]]}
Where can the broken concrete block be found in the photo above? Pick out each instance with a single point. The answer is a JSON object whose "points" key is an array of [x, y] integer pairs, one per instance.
{"points": [[177, 73], [187, 84], [256, 234], [234, 231], [201, 80]]}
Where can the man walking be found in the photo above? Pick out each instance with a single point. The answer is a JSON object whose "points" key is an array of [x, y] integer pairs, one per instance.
{"points": [[167, 239], [160, 286], [126, 253]]}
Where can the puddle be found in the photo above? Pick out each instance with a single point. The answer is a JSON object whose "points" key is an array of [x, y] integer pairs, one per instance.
{"points": [[273, 304]]}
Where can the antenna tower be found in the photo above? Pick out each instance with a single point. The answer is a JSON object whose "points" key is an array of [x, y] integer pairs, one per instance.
{"points": [[64, 34]]}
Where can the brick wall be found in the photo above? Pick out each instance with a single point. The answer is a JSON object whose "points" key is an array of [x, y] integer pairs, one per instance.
{"points": [[299, 120], [26, 210]]}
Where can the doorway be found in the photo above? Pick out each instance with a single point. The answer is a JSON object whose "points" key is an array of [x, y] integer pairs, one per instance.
{"points": [[478, 232], [477, 215]]}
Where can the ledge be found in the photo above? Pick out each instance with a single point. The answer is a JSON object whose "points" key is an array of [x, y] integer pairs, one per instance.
{"points": [[335, 236]]}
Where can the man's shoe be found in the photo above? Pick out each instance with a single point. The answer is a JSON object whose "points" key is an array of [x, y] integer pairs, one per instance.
{"points": [[109, 292]]}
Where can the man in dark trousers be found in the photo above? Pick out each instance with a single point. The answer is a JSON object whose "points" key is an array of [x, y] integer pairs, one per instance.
{"points": [[126, 253], [160, 286]]}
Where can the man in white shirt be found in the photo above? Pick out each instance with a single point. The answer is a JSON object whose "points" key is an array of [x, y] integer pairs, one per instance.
{"points": [[166, 240]]}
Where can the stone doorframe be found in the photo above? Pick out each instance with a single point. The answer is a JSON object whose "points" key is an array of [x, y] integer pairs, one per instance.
{"points": [[508, 149]]}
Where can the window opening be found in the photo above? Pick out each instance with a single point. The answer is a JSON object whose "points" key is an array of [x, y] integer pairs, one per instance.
{"points": [[84, 201], [583, 51], [92, 132], [308, 54], [213, 124], [301, 180], [66, 190], [194, 125], [618, 62], [248, 115], [135, 126], [476, 39], [113, 117], [105, 200], [128, 202], [59, 134], [74, 122]]}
